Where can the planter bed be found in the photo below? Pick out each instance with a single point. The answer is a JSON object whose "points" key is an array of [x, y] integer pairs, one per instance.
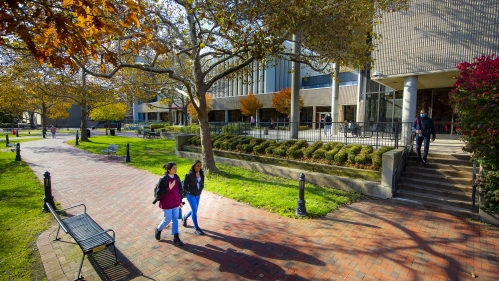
{"points": [[368, 175]]}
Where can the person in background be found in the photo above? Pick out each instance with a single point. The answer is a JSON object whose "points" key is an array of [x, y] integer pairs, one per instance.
{"points": [[327, 124], [424, 128], [193, 187], [170, 203], [53, 129], [252, 121]]}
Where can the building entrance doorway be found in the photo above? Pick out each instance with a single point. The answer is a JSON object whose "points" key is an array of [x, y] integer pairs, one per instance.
{"points": [[350, 113]]}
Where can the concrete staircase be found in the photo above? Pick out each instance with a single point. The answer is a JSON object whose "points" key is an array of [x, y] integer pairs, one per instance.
{"points": [[444, 184]]}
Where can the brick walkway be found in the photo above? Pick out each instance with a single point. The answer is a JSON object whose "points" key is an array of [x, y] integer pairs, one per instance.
{"points": [[371, 240]]}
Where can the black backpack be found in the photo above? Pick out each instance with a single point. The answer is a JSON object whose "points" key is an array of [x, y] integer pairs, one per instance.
{"points": [[160, 190]]}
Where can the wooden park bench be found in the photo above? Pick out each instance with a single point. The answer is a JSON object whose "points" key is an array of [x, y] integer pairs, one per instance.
{"points": [[111, 149], [85, 231]]}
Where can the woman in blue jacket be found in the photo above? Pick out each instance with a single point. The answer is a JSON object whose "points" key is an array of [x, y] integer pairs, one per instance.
{"points": [[193, 186], [170, 203]]}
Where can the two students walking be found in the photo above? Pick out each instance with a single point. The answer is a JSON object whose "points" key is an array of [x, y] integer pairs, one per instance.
{"points": [[170, 192]]}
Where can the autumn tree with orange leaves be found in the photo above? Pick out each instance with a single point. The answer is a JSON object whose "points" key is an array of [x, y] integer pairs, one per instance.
{"points": [[282, 102], [194, 43], [250, 105]]}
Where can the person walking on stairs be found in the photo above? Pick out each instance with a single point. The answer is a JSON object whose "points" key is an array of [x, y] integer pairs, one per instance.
{"points": [[424, 128]]}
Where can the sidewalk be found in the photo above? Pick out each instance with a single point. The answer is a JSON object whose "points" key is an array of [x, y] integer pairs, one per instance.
{"points": [[371, 240]]}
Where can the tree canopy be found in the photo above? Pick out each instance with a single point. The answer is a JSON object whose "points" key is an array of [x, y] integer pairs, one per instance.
{"points": [[194, 43], [281, 101]]}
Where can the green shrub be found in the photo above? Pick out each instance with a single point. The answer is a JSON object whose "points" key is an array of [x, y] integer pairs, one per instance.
{"points": [[376, 159], [302, 128], [355, 149], [366, 149], [361, 158], [193, 129], [256, 141], [271, 146], [220, 142], [282, 128], [342, 155], [307, 152], [195, 140], [295, 153], [260, 149], [280, 150], [245, 147], [319, 154], [330, 155]]}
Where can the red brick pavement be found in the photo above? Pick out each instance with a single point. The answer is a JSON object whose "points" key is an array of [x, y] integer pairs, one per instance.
{"points": [[370, 240]]}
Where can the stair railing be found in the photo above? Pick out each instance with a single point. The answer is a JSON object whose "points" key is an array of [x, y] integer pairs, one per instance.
{"points": [[401, 162]]}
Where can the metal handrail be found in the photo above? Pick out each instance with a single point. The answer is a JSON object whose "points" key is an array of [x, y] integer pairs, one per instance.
{"points": [[404, 157], [473, 185]]}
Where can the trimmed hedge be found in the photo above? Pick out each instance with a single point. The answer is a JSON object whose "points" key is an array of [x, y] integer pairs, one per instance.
{"points": [[336, 153], [193, 129]]}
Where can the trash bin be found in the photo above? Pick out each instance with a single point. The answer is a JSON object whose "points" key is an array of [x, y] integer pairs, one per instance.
{"points": [[112, 132], [88, 133], [266, 130]]}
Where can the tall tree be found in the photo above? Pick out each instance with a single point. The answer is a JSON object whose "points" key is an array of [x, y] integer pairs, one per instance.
{"points": [[198, 43], [281, 101], [250, 105]]}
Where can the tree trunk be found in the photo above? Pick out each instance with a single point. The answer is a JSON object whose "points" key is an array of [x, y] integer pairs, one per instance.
{"points": [[207, 150], [83, 126]]}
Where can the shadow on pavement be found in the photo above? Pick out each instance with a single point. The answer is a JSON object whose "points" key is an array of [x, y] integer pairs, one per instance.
{"points": [[103, 263]]}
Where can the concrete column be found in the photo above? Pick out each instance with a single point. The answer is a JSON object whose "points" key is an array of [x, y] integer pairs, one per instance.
{"points": [[226, 116], [409, 103], [295, 88], [359, 96], [336, 90], [135, 109], [261, 79], [255, 77], [314, 112], [158, 117]]}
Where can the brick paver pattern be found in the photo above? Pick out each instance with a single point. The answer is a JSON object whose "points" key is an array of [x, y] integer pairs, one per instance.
{"points": [[369, 240]]}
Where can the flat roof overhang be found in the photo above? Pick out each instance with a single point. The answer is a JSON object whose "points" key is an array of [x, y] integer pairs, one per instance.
{"points": [[426, 80]]}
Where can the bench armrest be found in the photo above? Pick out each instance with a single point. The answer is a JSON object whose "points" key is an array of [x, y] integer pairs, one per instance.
{"points": [[97, 234], [84, 208]]}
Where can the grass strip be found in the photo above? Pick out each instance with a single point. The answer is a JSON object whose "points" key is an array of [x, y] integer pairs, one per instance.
{"points": [[274, 194]]}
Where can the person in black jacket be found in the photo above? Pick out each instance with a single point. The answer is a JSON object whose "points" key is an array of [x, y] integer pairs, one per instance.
{"points": [[193, 186], [424, 128]]}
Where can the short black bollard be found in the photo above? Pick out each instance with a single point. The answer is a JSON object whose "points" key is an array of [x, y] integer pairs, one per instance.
{"points": [[48, 192], [76, 137], [301, 210], [18, 152], [17, 132], [127, 159], [7, 140]]}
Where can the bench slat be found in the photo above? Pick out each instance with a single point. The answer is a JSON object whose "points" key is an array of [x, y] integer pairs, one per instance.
{"points": [[83, 226]]}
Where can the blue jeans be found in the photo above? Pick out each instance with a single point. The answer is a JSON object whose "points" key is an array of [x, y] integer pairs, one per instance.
{"points": [[419, 141], [170, 215], [194, 203], [327, 129]]}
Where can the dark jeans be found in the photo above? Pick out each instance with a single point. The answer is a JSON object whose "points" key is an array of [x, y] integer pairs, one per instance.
{"points": [[419, 141]]}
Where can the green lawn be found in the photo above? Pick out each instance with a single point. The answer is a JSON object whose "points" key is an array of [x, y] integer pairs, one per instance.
{"points": [[21, 219], [275, 194]]}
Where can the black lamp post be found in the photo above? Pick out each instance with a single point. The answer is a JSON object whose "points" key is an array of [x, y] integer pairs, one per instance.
{"points": [[127, 159], [48, 192], [301, 210], [18, 152]]}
